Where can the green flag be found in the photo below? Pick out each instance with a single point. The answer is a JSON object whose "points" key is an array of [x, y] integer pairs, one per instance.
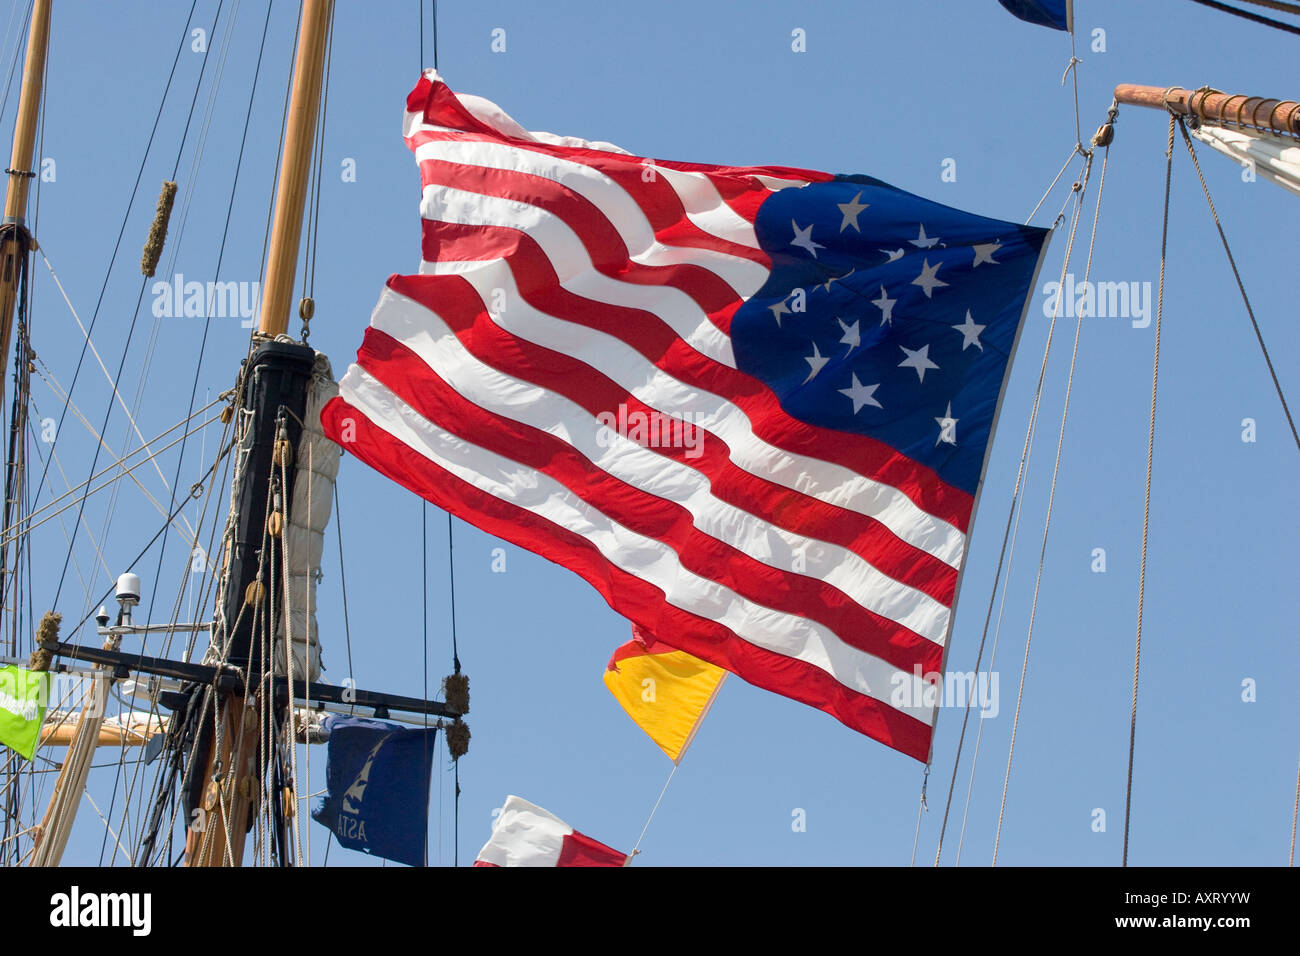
{"points": [[23, 695]]}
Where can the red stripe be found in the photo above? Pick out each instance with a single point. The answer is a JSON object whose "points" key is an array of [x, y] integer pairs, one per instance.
{"points": [[628, 595], [578, 849], [461, 309], [415, 383]]}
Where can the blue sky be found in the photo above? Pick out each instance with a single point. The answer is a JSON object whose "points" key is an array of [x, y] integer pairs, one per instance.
{"points": [[891, 90]]}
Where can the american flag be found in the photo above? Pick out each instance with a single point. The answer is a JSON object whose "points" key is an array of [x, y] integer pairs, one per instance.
{"points": [[750, 405]]}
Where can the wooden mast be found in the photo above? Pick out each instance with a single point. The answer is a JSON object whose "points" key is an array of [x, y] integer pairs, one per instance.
{"points": [[15, 242], [1221, 109], [295, 167], [14, 246], [217, 837]]}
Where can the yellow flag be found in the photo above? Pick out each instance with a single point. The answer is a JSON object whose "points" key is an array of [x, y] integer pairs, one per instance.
{"points": [[666, 691]]}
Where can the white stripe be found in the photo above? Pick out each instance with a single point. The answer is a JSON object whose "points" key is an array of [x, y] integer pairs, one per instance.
{"points": [[744, 276], [572, 265], [614, 358], [645, 558], [425, 333], [706, 208]]}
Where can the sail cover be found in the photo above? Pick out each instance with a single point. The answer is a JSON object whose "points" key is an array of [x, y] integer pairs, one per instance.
{"points": [[1276, 158], [751, 406]]}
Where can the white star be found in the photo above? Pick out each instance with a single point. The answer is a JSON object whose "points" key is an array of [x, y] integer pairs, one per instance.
{"points": [[851, 336], [886, 306], [827, 284], [851, 210], [927, 280], [861, 394], [817, 361], [893, 256], [779, 310], [918, 359], [922, 241], [803, 238], [947, 428], [984, 253], [970, 333]]}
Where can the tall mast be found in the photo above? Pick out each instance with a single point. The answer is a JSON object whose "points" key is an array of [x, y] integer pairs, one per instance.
{"points": [[16, 240], [15, 243], [295, 165], [275, 385]]}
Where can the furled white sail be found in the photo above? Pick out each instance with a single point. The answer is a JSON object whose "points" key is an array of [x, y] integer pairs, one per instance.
{"points": [[1276, 158], [317, 460]]}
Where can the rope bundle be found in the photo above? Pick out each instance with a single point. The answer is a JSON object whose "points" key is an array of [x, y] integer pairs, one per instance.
{"points": [[153, 246]]}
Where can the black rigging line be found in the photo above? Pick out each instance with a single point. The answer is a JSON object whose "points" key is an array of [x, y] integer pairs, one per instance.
{"points": [[207, 324], [117, 245], [1241, 286], [1247, 15], [108, 273], [198, 485], [135, 317], [18, 45], [455, 660], [424, 592], [221, 252]]}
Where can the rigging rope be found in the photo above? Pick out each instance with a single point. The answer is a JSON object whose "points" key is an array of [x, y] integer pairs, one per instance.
{"points": [[126, 348], [455, 660], [424, 594], [1012, 512], [1286, 410], [653, 810], [1146, 507], [1074, 151], [1294, 814], [1069, 249], [997, 634]]}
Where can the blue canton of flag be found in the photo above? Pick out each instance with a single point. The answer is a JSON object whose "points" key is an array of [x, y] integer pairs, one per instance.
{"points": [[377, 779], [889, 315]]}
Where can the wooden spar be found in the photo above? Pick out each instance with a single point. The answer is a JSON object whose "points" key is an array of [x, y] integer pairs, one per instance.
{"points": [[56, 826], [295, 166], [13, 248], [231, 780], [131, 732], [1220, 109]]}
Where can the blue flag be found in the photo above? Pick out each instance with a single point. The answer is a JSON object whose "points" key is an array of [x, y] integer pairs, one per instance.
{"points": [[1057, 14], [377, 779]]}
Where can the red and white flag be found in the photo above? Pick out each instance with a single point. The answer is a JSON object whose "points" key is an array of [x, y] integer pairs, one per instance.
{"points": [[527, 835], [743, 403]]}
